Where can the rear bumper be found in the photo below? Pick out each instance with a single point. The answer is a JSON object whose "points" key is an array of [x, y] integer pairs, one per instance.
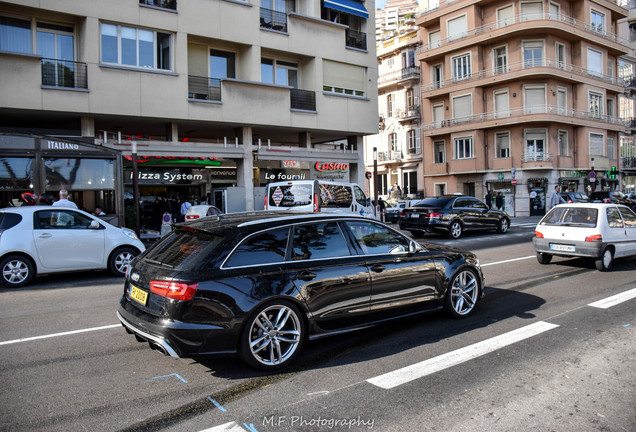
{"points": [[581, 248], [423, 224], [176, 338]]}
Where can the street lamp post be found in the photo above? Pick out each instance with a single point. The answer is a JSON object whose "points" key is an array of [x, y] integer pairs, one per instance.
{"points": [[375, 181], [135, 173]]}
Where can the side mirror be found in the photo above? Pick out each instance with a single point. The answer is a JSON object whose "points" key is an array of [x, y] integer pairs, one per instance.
{"points": [[94, 225], [414, 247]]}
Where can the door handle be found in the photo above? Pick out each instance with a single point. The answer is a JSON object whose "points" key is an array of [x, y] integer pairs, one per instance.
{"points": [[378, 268], [46, 235], [306, 276]]}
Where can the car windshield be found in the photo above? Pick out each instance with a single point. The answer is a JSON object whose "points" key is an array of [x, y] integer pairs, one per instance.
{"points": [[433, 202], [571, 216], [184, 249]]}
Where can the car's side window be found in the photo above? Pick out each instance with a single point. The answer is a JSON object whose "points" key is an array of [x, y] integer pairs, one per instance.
{"points": [[476, 204], [263, 248], [628, 217], [461, 203], [320, 240], [375, 239], [60, 219], [614, 219]]}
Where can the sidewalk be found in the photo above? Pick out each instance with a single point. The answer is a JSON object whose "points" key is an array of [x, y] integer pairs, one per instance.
{"points": [[523, 220]]}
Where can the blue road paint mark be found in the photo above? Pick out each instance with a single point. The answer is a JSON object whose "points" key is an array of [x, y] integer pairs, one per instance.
{"points": [[216, 404], [172, 374], [626, 325], [250, 427]]}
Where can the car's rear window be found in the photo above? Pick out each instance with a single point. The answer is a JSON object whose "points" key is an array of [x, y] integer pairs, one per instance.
{"points": [[290, 195], [433, 202], [571, 216], [185, 249], [9, 220]]}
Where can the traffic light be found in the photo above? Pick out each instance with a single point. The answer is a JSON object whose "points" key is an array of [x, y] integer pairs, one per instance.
{"points": [[613, 173]]}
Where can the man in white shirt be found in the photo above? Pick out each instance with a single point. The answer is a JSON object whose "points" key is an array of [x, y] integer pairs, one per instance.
{"points": [[64, 201]]}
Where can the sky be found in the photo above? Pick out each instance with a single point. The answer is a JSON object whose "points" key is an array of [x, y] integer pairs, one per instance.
{"points": [[379, 4]]}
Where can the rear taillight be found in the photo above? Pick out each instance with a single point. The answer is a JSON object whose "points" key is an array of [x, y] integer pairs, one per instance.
{"points": [[538, 234], [570, 201], [594, 238], [192, 217], [434, 215], [607, 200], [316, 209], [402, 214], [174, 290], [265, 203]]}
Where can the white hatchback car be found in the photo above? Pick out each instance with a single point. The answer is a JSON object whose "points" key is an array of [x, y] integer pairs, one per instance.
{"points": [[37, 240], [599, 231], [199, 211]]}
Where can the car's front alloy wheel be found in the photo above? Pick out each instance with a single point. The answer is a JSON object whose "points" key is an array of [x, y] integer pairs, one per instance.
{"points": [[455, 230], [272, 336], [16, 271], [120, 260], [503, 226], [462, 293]]}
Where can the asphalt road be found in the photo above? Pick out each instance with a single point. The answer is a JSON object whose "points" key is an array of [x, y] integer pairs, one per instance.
{"points": [[538, 354]]}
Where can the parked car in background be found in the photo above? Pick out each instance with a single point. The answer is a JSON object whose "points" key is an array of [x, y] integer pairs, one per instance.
{"points": [[452, 214], [199, 211], [616, 197], [602, 232], [260, 284], [394, 209], [37, 240], [571, 197]]}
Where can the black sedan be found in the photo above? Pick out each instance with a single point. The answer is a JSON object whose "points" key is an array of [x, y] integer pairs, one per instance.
{"points": [[259, 284], [452, 214]]}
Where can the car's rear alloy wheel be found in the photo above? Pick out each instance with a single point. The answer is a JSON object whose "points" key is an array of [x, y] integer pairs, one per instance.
{"points": [[17, 271], [455, 230], [462, 293], [120, 260], [604, 263], [272, 336], [504, 225], [544, 258]]}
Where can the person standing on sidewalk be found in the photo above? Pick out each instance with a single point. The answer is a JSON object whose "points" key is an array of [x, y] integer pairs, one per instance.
{"points": [[64, 201]]}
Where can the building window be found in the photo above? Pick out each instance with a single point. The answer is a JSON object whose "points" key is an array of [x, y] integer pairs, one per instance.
{"points": [[532, 54], [410, 100], [437, 76], [463, 148], [611, 153], [413, 142], [560, 55], [456, 27], [596, 104], [222, 64], [462, 108], [563, 143], [409, 182], [534, 99], [555, 11], [505, 16], [15, 35], [610, 108], [279, 72], [596, 144], [502, 141], [531, 11], [440, 152], [438, 115], [594, 62], [343, 79], [500, 55], [597, 20], [393, 142], [389, 105], [130, 46], [535, 145], [440, 189], [562, 100], [434, 39], [502, 105], [461, 67]]}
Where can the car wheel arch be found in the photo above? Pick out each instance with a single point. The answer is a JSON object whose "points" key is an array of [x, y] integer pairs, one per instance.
{"points": [[26, 257], [118, 248]]}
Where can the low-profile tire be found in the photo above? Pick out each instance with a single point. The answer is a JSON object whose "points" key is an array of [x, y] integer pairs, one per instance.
{"points": [[462, 293], [544, 258], [455, 230], [503, 226], [272, 336], [417, 233], [120, 259], [17, 271], [604, 263]]}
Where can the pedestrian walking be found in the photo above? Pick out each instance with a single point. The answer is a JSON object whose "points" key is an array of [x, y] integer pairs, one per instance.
{"points": [[64, 201], [489, 199], [555, 197], [499, 201]]}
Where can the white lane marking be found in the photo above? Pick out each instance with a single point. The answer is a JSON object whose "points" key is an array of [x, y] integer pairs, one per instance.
{"points": [[436, 364], [614, 300], [507, 261], [59, 334], [227, 427]]}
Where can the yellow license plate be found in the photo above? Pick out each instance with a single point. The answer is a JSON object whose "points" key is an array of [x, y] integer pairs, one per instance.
{"points": [[139, 295]]}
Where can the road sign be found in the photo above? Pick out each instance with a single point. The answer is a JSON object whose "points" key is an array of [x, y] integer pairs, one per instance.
{"points": [[592, 174], [368, 174], [513, 181]]}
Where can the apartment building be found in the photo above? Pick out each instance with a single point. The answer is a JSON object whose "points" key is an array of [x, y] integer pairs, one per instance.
{"points": [[211, 95], [627, 103], [396, 148], [519, 96]]}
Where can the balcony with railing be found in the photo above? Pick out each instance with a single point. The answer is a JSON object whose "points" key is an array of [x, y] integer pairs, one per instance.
{"points": [[202, 88], [515, 70], [304, 100], [390, 156], [64, 74], [273, 20], [403, 74], [525, 19], [536, 157], [628, 162], [163, 4], [356, 39], [410, 113]]}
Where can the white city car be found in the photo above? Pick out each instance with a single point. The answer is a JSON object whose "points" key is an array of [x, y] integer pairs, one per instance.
{"points": [[599, 231], [36, 240]]}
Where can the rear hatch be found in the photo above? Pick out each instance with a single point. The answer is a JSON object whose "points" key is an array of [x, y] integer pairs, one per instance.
{"points": [[166, 276], [564, 225], [430, 208]]}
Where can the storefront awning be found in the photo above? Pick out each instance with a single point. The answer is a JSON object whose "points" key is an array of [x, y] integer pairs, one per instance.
{"points": [[348, 6]]}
